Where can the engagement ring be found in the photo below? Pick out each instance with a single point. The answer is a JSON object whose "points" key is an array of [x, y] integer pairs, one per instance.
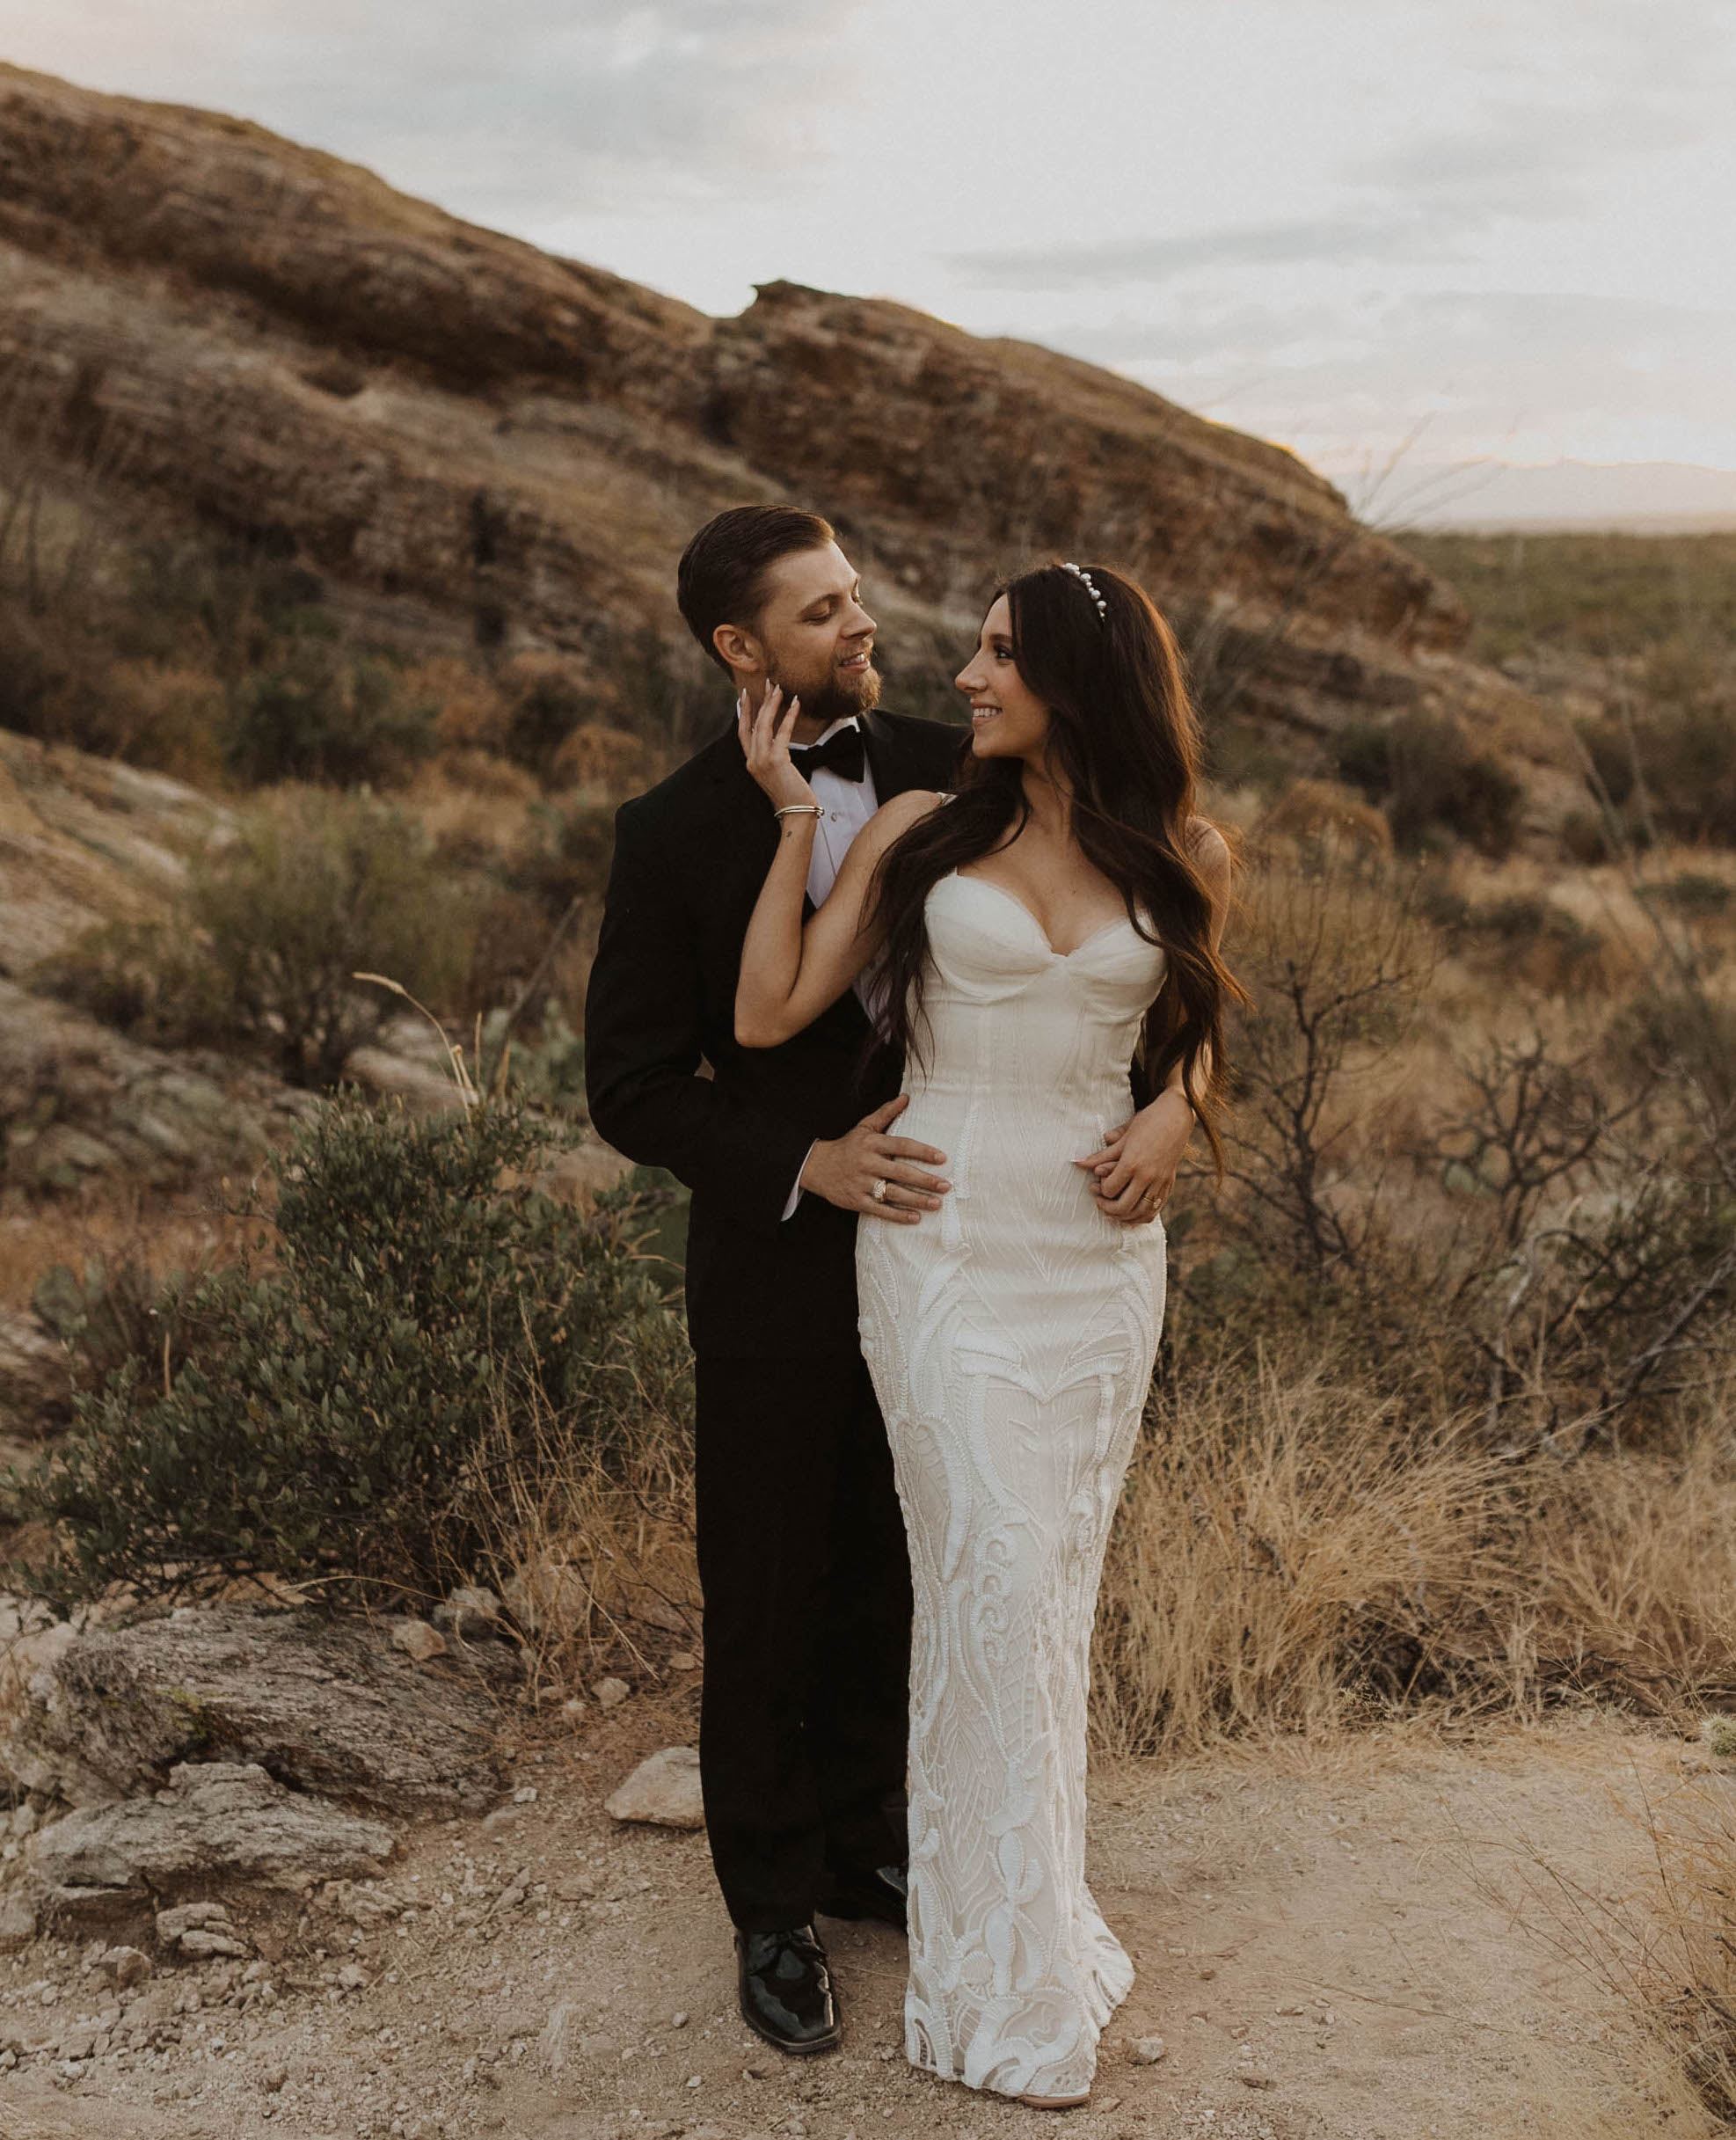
{"points": [[879, 1191]]}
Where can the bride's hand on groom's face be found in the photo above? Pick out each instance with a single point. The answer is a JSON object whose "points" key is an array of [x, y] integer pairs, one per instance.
{"points": [[765, 743], [1135, 1170]]}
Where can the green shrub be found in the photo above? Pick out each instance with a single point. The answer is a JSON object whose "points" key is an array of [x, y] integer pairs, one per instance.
{"points": [[317, 888], [271, 930], [566, 854], [1423, 767], [335, 1415], [545, 703], [1697, 895], [1687, 761], [1584, 838], [1438, 779], [321, 712], [1361, 758]]}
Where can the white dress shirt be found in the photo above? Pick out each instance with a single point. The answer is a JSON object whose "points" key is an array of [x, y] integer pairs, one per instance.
{"points": [[848, 805]]}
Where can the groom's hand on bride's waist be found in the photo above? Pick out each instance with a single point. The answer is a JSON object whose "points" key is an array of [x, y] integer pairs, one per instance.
{"points": [[881, 1176]]}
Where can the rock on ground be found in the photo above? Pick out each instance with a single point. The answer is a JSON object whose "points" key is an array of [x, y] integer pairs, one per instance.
{"points": [[217, 1820], [79, 1102], [326, 1706], [663, 1790]]}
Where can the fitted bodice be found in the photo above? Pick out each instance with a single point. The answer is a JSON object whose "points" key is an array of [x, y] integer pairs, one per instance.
{"points": [[1005, 1011]]}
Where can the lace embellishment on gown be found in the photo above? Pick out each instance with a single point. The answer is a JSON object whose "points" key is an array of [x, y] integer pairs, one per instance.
{"points": [[1011, 1338]]}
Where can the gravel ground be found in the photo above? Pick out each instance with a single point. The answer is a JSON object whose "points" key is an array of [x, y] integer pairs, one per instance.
{"points": [[1323, 1943]]}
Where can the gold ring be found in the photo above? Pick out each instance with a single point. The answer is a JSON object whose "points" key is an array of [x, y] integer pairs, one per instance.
{"points": [[879, 1191]]}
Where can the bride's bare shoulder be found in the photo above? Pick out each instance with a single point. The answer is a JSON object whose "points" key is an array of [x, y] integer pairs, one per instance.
{"points": [[894, 818], [1209, 850]]}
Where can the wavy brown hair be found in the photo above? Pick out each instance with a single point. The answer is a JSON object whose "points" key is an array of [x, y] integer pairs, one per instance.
{"points": [[1124, 740]]}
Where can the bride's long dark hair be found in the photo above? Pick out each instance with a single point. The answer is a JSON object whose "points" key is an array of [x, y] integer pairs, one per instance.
{"points": [[1124, 740]]}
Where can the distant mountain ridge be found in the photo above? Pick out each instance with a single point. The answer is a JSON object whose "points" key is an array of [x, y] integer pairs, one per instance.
{"points": [[492, 443], [1632, 497]]}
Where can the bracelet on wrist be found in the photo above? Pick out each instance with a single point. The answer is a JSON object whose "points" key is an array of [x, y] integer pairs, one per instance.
{"points": [[801, 809]]}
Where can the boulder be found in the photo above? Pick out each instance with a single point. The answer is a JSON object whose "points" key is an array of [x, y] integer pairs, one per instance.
{"points": [[20, 1911], [418, 1641], [365, 1902], [35, 1380], [471, 1614], [329, 1706], [79, 1101], [199, 1931], [216, 1819], [663, 1791], [124, 1967]]}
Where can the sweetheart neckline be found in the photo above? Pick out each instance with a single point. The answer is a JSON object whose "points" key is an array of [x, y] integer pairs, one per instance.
{"points": [[1013, 900]]}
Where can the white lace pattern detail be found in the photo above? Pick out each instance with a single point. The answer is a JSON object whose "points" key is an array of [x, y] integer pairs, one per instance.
{"points": [[1011, 1338]]}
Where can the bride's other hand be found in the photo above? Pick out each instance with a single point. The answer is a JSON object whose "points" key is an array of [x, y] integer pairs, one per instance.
{"points": [[1133, 1173], [765, 743]]}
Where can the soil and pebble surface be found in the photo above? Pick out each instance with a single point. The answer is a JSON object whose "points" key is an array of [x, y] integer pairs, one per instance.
{"points": [[1346, 1942]]}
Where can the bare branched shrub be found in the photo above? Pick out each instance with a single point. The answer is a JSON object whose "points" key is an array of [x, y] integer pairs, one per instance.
{"points": [[1332, 949]]}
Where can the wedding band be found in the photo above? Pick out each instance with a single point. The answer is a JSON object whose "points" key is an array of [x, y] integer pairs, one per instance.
{"points": [[879, 1191]]}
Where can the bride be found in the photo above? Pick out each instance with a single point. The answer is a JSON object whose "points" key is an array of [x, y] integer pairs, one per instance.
{"points": [[1037, 944]]}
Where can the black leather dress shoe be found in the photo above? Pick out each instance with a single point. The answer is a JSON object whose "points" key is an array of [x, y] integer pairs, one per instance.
{"points": [[786, 1991], [885, 1894]]}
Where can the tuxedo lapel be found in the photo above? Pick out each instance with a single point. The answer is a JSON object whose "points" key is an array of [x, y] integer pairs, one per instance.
{"points": [[744, 831], [903, 755], [887, 759]]}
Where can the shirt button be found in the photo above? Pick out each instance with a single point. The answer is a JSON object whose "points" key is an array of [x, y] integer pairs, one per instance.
{"points": [[834, 817]]}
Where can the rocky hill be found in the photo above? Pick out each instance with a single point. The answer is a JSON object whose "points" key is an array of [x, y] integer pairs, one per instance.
{"points": [[476, 441]]}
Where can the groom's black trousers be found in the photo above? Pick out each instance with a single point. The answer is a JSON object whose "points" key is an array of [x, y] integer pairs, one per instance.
{"points": [[802, 1557]]}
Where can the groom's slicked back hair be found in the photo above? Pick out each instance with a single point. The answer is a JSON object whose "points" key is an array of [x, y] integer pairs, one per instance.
{"points": [[721, 578]]}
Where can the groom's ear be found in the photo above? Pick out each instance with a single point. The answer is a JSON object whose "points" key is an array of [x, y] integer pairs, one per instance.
{"points": [[738, 648]]}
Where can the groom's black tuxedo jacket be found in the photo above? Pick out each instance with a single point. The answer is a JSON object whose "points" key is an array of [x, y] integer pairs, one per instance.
{"points": [[689, 859]]}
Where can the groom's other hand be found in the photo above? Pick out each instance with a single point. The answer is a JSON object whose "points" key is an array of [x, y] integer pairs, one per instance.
{"points": [[847, 1170]]}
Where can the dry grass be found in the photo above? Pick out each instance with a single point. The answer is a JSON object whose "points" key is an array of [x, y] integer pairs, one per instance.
{"points": [[1600, 2094], [591, 1524], [158, 1234], [1281, 1547], [1293, 1554], [1627, 1580], [1661, 1947]]}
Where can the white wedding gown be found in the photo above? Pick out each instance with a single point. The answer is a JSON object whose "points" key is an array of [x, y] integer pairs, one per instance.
{"points": [[1010, 1337]]}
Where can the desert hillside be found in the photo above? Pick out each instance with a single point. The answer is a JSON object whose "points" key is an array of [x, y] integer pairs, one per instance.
{"points": [[483, 443]]}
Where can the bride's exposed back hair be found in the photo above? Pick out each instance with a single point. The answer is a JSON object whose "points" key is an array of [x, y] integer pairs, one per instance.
{"points": [[1124, 739]]}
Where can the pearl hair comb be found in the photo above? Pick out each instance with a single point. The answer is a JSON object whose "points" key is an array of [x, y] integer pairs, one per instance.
{"points": [[1088, 584]]}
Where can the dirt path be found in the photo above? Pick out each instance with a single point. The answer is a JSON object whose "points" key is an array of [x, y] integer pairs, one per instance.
{"points": [[1320, 1935]]}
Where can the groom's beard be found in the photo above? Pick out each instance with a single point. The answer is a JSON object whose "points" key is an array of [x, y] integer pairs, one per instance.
{"points": [[835, 700]]}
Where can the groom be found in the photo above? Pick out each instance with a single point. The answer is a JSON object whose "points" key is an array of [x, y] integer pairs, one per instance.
{"points": [[802, 1557]]}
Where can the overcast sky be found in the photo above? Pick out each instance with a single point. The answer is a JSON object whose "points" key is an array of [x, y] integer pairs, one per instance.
{"points": [[1420, 231]]}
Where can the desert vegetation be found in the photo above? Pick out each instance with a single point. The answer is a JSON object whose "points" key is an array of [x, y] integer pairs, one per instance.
{"points": [[1441, 1425]]}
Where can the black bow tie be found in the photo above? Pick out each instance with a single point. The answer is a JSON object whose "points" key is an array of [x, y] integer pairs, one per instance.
{"points": [[843, 752]]}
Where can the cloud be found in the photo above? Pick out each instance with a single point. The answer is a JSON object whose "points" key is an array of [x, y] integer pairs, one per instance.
{"points": [[1530, 373], [1546, 107], [1348, 238], [510, 112]]}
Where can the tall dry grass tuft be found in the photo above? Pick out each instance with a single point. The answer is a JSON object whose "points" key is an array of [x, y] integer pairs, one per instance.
{"points": [[588, 1515], [1662, 1944], [1296, 1552], [1285, 1553], [1626, 1580]]}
